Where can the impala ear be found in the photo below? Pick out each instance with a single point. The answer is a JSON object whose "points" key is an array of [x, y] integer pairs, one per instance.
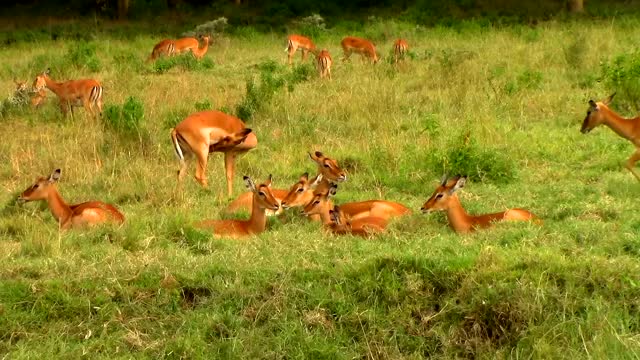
{"points": [[55, 175], [443, 180], [47, 72], [305, 177], [462, 180], [268, 182], [593, 105], [249, 183], [315, 156], [607, 101], [316, 181], [332, 191]]}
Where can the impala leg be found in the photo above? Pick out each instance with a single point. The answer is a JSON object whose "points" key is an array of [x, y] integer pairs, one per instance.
{"points": [[346, 56], [202, 155], [632, 162], [304, 54], [229, 167], [292, 51]]}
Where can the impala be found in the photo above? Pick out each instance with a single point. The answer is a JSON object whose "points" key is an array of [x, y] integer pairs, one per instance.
{"points": [[211, 131], [37, 97], [295, 42], [324, 64], [85, 93], [322, 205], [165, 47], [87, 213], [599, 113], [365, 226], [365, 48], [263, 200], [445, 198], [400, 48], [298, 195], [199, 52]]}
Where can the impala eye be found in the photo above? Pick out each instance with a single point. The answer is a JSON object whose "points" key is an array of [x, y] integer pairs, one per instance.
{"points": [[300, 190], [327, 166], [439, 196], [35, 186], [261, 193], [316, 202]]}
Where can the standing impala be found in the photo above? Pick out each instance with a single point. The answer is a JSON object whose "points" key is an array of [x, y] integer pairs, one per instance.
{"points": [[400, 48], [295, 42], [365, 48], [165, 47], [85, 93], [263, 200], [211, 131], [599, 113], [324, 64], [199, 52], [87, 213], [445, 198]]}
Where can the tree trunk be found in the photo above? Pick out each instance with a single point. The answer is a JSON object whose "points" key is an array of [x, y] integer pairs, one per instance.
{"points": [[123, 9], [576, 6], [238, 2]]}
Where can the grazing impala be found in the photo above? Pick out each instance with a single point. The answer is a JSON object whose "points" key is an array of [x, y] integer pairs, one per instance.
{"points": [[365, 48], [295, 42], [364, 227], [321, 204], [263, 200], [165, 47], [186, 44], [87, 213], [600, 113], [445, 198], [298, 195], [86, 93], [400, 48], [205, 132], [324, 64]]}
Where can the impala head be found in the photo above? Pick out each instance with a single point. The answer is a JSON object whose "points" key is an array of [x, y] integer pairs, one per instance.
{"points": [[40, 82], [21, 86], [206, 39], [339, 220], [320, 200], [295, 197], [328, 167], [40, 189], [262, 193], [595, 115], [441, 198], [230, 141]]}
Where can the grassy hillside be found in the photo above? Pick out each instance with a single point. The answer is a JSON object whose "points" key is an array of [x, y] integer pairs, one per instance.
{"points": [[157, 287]]}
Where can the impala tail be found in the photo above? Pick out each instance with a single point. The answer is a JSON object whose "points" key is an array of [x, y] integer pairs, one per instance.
{"points": [[289, 45], [176, 139]]}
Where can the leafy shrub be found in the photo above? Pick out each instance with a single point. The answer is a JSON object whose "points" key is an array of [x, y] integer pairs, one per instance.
{"points": [[312, 26], [212, 27], [204, 105], [82, 55], [258, 94], [621, 75], [464, 156], [174, 117], [126, 120]]}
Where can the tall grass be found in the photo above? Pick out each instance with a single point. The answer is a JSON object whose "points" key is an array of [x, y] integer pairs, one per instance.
{"points": [[503, 106]]}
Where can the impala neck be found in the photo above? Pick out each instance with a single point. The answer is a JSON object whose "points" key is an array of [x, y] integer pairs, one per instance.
{"points": [[258, 219], [59, 208], [52, 85], [621, 126], [325, 217], [201, 50], [458, 218]]}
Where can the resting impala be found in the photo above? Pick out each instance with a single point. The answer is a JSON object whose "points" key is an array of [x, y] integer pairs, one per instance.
{"points": [[298, 195], [302, 191], [165, 47], [85, 92], [295, 42], [365, 226], [36, 96], [599, 113], [400, 48], [445, 198], [321, 204], [87, 213], [365, 48], [263, 200], [211, 131], [324, 64]]}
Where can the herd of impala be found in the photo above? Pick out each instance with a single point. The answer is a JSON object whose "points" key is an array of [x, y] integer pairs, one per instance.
{"points": [[206, 132]]}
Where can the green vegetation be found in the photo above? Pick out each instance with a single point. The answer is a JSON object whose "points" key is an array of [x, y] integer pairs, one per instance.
{"points": [[501, 104]]}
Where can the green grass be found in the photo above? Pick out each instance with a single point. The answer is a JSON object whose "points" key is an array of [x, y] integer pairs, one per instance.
{"points": [[158, 288]]}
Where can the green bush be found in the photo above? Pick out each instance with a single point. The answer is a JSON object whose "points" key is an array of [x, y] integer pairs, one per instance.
{"points": [[82, 55], [186, 62], [125, 120], [464, 156], [621, 75], [203, 105]]}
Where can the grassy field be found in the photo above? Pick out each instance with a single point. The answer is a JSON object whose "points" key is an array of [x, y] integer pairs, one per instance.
{"points": [[158, 288]]}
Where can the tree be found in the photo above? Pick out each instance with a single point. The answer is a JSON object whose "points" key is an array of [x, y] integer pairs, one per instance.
{"points": [[576, 6], [123, 9]]}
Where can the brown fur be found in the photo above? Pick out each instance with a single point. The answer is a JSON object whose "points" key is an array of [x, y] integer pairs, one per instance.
{"points": [[295, 42], [324, 64], [400, 48], [165, 47], [365, 48], [85, 93]]}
